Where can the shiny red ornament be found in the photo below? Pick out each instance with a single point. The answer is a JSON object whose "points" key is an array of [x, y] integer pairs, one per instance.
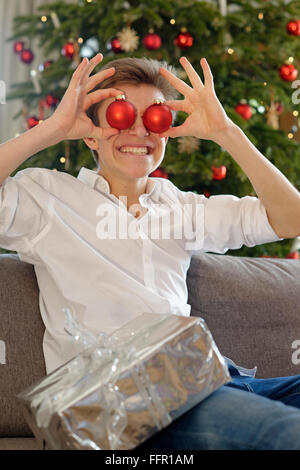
{"points": [[158, 118], [288, 72], [68, 50], [207, 194], [47, 64], [159, 173], [32, 121], [152, 41], [120, 114], [293, 255], [184, 40], [244, 110], [26, 56], [51, 101], [18, 47], [293, 27], [278, 107], [219, 173], [116, 45]]}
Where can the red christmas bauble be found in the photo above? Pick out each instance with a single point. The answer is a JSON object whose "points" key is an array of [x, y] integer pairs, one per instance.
{"points": [[158, 118], [120, 114], [293, 255], [27, 56], [18, 47], [184, 40], [293, 27], [207, 194], [244, 110], [32, 121], [152, 41], [68, 50], [116, 45], [47, 64], [51, 101], [288, 72], [219, 173], [278, 106], [159, 173]]}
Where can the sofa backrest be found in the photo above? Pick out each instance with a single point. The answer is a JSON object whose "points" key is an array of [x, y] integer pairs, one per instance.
{"points": [[252, 307]]}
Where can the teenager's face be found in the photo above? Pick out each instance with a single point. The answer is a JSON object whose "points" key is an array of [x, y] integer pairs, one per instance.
{"points": [[128, 166]]}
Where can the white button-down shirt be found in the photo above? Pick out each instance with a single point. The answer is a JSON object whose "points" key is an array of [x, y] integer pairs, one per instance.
{"points": [[60, 224]]}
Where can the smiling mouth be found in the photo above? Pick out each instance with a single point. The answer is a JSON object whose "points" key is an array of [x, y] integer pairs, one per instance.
{"points": [[136, 151]]}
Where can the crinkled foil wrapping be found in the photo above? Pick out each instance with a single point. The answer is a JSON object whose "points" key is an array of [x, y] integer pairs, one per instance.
{"points": [[124, 388]]}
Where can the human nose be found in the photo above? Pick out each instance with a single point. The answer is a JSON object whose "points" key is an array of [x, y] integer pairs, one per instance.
{"points": [[138, 127]]}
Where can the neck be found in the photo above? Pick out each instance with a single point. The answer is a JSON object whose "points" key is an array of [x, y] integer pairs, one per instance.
{"points": [[132, 189]]}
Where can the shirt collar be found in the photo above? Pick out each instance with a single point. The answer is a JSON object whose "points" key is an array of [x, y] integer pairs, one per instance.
{"points": [[94, 180]]}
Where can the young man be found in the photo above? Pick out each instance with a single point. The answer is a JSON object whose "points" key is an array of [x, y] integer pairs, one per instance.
{"points": [[52, 220]]}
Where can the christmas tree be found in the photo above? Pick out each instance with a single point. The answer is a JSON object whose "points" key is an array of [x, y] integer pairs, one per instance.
{"points": [[254, 54]]}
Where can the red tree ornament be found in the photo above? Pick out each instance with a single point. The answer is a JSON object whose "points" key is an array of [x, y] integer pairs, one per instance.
{"points": [[219, 173], [293, 27], [244, 110], [293, 255], [26, 56], [120, 114], [116, 45], [51, 101], [159, 173], [32, 121], [152, 41], [47, 64], [158, 117], [288, 72], [18, 47], [184, 39], [68, 50]]}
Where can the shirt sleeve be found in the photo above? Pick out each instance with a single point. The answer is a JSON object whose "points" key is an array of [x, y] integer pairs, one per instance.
{"points": [[23, 199], [224, 222]]}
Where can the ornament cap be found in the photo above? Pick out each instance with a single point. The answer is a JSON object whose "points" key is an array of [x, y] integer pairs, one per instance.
{"points": [[159, 101], [120, 97]]}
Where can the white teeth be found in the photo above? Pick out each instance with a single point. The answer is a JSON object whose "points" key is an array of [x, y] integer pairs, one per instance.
{"points": [[137, 150]]}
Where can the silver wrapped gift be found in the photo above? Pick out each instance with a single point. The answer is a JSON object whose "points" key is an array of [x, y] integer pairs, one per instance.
{"points": [[124, 388]]}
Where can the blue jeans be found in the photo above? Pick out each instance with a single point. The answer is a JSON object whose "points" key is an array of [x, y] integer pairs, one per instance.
{"points": [[245, 414]]}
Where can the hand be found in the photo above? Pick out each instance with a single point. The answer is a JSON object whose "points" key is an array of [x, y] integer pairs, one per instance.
{"points": [[207, 118], [70, 116]]}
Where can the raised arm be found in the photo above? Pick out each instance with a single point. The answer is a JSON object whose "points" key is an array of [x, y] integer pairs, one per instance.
{"points": [[68, 122], [207, 120]]}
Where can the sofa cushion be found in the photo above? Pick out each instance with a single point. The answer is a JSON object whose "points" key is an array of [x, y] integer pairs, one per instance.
{"points": [[252, 308], [21, 336]]}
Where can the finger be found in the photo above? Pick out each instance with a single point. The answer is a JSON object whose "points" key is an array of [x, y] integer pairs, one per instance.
{"points": [[177, 105], [77, 74], [208, 76], [92, 64], [191, 73], [173, 132], [177, 83], [99, 95], [99, 77]]}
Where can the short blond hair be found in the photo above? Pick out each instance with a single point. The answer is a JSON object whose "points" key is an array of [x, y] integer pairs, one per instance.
{"points": [[137, 71]]}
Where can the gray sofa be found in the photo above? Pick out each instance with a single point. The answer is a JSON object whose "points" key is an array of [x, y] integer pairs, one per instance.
{"points": [[251, 305]]}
